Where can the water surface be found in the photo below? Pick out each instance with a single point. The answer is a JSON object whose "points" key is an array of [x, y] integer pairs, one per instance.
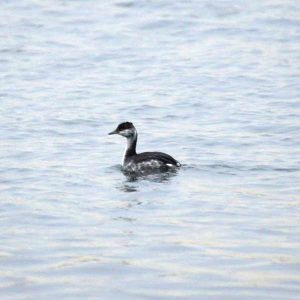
{"points": [[214, 84]]}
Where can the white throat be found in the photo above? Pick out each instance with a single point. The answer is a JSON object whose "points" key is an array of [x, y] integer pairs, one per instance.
{"points": [[128, 145]]}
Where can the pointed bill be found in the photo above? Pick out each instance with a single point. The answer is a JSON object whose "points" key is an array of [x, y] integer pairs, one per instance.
{"points": [[113, 132]]}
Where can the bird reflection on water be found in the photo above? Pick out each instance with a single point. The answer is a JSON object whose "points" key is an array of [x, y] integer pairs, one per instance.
{"points": [[130, 184]]}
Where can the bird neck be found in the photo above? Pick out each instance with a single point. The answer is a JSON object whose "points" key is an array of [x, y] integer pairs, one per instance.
{"points": [[130, 149]]}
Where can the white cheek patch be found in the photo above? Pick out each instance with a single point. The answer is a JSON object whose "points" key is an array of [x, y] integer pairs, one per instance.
{"points": [[126, 132]]}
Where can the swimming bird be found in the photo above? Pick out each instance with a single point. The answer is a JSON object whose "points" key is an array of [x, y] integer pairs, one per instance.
{"points": [[134, 162]]}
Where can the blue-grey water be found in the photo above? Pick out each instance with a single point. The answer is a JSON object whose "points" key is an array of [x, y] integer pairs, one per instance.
{"points": [[213, 83]]}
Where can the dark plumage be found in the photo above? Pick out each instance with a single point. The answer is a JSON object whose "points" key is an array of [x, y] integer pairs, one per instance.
{"points": [[123, 126], [160, 156], [142, 161]]}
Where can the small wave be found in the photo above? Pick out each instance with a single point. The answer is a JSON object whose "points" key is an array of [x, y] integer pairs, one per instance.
{"points": [[114, 168], [241, 168], [126, 4]]}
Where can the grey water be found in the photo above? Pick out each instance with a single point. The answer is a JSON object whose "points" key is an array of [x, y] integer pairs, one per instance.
{"points": [[214, 84]]}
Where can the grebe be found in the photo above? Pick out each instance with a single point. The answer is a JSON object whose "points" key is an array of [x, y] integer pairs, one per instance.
{"points": [[134, 162]]}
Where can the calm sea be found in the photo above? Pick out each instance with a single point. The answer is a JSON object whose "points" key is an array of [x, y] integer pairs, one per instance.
{"points": [[213, 83]]}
